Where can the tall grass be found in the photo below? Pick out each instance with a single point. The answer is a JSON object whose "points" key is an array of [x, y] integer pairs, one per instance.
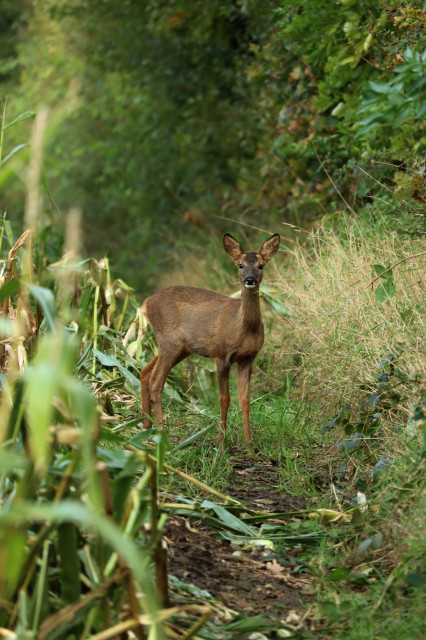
{"points": [[358, 367], [343, 328]]}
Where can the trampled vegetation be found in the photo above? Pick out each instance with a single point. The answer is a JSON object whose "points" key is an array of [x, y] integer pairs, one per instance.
{"points": [[109, 531]]}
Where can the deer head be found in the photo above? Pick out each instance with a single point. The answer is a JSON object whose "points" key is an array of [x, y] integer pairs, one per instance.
{"points": [[250, 263]]}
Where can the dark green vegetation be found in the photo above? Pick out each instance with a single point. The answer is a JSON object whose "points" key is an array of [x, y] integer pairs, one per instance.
{"points": [[166, 117], [166, 123]]}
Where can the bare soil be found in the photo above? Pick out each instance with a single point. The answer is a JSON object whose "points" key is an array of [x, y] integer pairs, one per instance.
{"points": [[249, 581]]}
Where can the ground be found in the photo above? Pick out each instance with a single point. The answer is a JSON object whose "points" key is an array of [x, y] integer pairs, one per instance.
{"points": [[249, 581]]}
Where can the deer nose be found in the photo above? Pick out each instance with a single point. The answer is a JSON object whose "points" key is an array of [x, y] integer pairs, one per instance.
{"points": [[250, 281]]}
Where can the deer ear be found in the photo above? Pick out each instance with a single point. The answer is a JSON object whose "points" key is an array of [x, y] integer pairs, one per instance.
{"points": [[270, 247], [232, 247]]}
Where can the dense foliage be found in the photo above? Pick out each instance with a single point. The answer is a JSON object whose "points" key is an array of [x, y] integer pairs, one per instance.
{"points": [[166, 115], [143, 127]]}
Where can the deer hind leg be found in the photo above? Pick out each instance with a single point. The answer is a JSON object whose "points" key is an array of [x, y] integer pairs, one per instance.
{"points": [[162, 368], [146, 392], [224, 398], [243, 384]]}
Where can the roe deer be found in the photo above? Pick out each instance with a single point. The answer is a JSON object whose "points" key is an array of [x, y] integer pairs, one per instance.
{"points": [[187, 320]]}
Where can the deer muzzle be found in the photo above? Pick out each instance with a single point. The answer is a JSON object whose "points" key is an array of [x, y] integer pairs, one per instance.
{"points": [[250, 282]]}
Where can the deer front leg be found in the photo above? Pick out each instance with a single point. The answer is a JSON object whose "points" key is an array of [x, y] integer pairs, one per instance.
{"points": [[224, 398], [243, 383]]}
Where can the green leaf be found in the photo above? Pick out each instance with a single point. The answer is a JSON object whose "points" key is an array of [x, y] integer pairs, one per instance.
{"points": [[41, 386], [390, 288], [358, 577], [341, 573], [397, 99], [12, 153], [111, 361], [385, 291], [373, 124], [201, 594], [13, 553], [351, 443], [379, 270], [40, 595], [142, 436], [171, 393], [22, 116], [229, 519], [342, 418], [9, 233], [194, 437], [373, 118], [305, 539], [259, 623], [380, 294], [377, 540], [275, 302], [46, 300], [381, 464], [9, 289], [116, 458], [416, 580], [12, 461], [420, 109], [105, 359], [69, 562], [379, 87], [364, 545], [402, 115]]}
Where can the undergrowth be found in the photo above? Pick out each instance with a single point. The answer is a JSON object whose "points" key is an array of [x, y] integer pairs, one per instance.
{"points": [[337, 410], [344, 416], [356, 327]]}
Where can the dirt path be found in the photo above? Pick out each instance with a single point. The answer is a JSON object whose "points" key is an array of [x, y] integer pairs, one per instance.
{"points": [[249, 581]]}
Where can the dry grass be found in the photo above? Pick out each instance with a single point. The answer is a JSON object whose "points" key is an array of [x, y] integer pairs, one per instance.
{"points": [[337, 326]]}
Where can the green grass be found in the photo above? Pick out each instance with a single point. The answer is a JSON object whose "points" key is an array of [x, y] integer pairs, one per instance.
{"points": [[358, 594], [275, 428]]}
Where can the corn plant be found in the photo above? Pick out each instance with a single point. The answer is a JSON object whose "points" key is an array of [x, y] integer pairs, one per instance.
{"points": [[75, 531]]}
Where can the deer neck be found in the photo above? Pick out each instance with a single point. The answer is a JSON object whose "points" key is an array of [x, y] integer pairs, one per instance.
{"points": [[251, 316]]}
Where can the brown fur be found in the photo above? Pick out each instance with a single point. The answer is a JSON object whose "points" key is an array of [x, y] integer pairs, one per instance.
{"points": [[187, 320]]}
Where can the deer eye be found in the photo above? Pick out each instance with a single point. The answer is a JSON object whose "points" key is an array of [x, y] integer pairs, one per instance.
{"points": [[241, 266], [260, 266]]}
